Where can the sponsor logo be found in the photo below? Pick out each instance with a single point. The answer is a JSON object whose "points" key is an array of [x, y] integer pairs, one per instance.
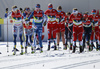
{"points": [[11, 21]]}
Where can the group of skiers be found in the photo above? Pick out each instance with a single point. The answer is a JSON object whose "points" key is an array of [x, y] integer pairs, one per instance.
{"points": [[71, 26]]}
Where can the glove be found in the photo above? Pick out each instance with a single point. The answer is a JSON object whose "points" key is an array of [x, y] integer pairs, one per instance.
{"points": [[34, 27], [93, 28], [26, 19], [65, 24]]}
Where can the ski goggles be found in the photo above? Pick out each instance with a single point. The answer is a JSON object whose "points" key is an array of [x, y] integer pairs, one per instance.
{"points": [[58, 11], [75, 12], [49, 8], [15, 9], [37, 6]]}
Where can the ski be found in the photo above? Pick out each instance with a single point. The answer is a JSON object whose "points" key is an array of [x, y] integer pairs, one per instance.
{"points": [[16, 50]]}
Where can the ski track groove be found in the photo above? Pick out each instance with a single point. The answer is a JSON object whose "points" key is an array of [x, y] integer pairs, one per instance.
{"points": [[51, 60], [77, 64], [58, 55]]}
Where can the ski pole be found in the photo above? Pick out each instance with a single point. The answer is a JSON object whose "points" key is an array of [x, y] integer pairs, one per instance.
{"points": [[7, 37]]}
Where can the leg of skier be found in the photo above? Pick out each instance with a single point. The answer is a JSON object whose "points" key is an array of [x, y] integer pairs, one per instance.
{"points": [[96, 37], [70, 36], [80, 41], [49, 38], [63, 39], [87, 39], [31, 40], [58, 35], [58, 39], [54, 37], [49, 27], [84, 36], [66, 38], [26, 43], [91, 39], [62, 29], [74, 39], [99, 37], [21, 38], [89, 30], [31, 35], [40, 39], [14, 38], [26, 38], [34, 42]]}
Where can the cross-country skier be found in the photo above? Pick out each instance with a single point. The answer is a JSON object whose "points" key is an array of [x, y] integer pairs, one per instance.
{"points": [[6, 14], [68, 30], [26, 13], [61, 26], [51, 25], [76, 17], [38, 20], [98, 13], [99, 34], [17, 25], [95, 27], [28, 28], [87, 26], [28, 33]]}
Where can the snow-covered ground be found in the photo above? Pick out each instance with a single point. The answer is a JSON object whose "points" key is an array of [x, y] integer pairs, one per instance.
{"points": [[60, 59]]}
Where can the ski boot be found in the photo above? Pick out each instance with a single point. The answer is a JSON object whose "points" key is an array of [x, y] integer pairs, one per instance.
{"points": [[22, 50], [81, 49], [29, 44], [33, 50], [70, 46], [14, 53], [58, 46], [25, 49], [91, 46], [65, 47], [55, 48], [84, 45], [48, 48], [97, 47], [41, 50], [74, 49]]}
